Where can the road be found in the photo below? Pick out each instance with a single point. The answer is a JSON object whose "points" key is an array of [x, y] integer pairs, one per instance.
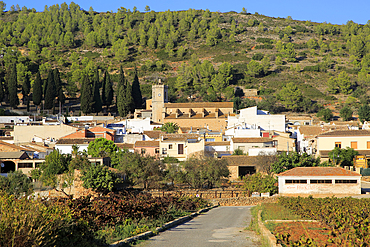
{"points": [[219, 227]]}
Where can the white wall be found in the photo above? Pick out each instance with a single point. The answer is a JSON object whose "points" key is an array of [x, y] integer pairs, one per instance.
{"points": [[15, 119], [67, 149], [243, 132], [261, 151], [138, 125], [319, 188], [253, 116]]}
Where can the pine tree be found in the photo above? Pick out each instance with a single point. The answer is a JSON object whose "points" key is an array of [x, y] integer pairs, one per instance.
{"points": [[136, 92], [37, 90], [1, 87], [96, 92], [86, 96], [50, 91], [12, 86]]}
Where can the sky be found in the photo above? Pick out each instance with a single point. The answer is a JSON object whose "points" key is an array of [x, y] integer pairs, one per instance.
{"points": [[330, 11]]}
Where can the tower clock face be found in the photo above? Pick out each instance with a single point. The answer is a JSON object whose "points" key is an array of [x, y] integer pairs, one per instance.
{"points": [[159, 95]]}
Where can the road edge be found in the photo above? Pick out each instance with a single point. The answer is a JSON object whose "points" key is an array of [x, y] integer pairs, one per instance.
{"points": [[164, 227]]}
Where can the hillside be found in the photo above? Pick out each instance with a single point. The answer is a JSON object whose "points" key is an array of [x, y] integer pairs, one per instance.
{"points": [[297, 66]]}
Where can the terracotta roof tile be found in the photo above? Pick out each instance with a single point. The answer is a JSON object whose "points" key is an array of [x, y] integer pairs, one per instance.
{"points": [[153, 134], [252, 139], [343, 133], [147, 144], [101, 129], [200, 105], [217, 144], [179, 137], [241, 160], [318, 171], [125, 145], [68, 141]]}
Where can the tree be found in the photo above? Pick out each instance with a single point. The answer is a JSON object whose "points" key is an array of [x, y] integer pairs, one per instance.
{"points": [[96, 92], [2, 7], [293, 159], [169, 127], [13, 86], [122, 101], [364, 113], [99, 178], [50, 91], [325, 115], [346, 113], [260, 183], [238, 152], [101, 147], [17, 184], [50, 171], [26, 87], [147, 8], [136, 92], [37, 90], [244, 10], [202, 172], [291, 97], [343, 157], [58, 86], [107, 91], [86, 98]]}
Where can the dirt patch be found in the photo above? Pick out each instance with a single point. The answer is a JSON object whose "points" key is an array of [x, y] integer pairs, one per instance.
{"points": [[294, 231]]}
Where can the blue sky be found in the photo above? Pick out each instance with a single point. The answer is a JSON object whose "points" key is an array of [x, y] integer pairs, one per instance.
{"points": [[335, 12]]}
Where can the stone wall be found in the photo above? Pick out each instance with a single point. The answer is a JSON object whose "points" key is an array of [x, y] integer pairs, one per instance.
{"points": [[244, 201], [205, 194]]}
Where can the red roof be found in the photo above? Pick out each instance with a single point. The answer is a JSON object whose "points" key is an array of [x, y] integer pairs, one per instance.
{"points": [[318, 171]]}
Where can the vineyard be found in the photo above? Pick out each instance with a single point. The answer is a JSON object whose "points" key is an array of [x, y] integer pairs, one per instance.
{"points": [[342, 222], [87, 221]]}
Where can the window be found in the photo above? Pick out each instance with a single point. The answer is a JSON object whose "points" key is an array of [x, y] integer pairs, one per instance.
{"points": [[157, 150], [143, 150], [180, 149], [210, 139], [354, 145], [169, 146], [338, 145], [320, 181], [345, 181], [24, 165], [164, 150], [296, 181], [368, 145]]}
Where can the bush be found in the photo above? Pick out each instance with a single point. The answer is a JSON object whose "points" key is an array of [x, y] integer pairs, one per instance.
{"points": [[260, 183], [258, 56]]}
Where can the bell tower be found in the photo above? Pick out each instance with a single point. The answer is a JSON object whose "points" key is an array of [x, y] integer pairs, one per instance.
{"points": [[159, 98]]}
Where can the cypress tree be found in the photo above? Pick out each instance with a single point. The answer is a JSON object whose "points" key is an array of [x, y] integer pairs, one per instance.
{"points": [[108, 90], [37, 90], [12, 86], [121, 94], [129, 100], [58, 86], [50, 91], [96, 93], [136, 92], [26, 86], [103, 98], [86, 96]]}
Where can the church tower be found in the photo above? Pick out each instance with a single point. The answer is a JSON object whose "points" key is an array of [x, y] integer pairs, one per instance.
{"points": [[159, 98]]}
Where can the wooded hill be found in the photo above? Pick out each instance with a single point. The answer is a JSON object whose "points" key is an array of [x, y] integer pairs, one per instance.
{"points": [[203, 56]]}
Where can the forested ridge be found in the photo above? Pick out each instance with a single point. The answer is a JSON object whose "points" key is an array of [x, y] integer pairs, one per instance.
{"points": [[101, 58]]}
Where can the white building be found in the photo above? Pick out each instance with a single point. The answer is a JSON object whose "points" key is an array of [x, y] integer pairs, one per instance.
{"points": [[319, 180], [243, 130], [259, 119], [139, 125], [15, 119]]}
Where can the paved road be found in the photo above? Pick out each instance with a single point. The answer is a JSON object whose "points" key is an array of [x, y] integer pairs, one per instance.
{"points": [[219, 227]]}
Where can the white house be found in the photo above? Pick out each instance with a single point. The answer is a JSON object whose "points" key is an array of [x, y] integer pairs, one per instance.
{"points": [[243, 130], [64, 145], [260, 119], [319, 180], [139, 125]]}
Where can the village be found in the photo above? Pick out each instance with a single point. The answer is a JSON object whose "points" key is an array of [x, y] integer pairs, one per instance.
{"points": [[210, 129]]}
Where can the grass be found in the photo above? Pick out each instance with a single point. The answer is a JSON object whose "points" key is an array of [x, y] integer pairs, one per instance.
{"points": [[274, 211], [253, 226]]}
